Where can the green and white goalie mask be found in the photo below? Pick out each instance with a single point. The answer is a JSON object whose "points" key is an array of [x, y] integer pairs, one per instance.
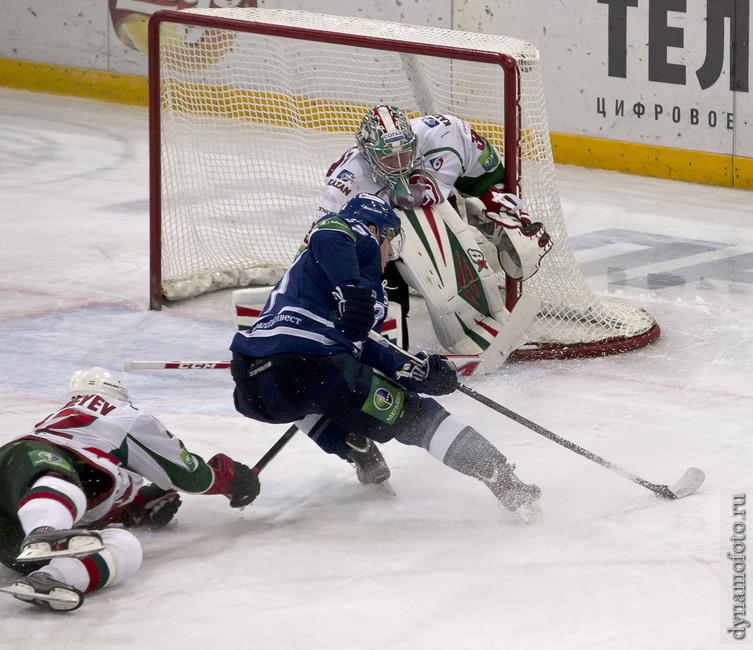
{"points": [[387, 142]]}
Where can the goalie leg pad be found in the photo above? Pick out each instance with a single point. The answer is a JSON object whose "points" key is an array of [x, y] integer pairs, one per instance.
{"points": [[441, 260]]}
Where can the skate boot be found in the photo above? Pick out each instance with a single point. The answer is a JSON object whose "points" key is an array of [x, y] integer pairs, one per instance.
{"points": [[45, 543], [519, 498], [367, 459], [42, 590]]}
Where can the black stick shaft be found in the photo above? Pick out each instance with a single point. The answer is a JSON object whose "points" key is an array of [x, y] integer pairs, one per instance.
{"points": [[275, 449], [661, 490]]}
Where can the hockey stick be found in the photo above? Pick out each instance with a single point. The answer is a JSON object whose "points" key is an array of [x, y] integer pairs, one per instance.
{"points": [[129, 364], [501, 347], [275, 449], [503, 344], [688, 483], [507, 339]]}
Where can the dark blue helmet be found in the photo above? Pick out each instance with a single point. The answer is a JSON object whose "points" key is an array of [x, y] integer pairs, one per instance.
{"points": [[370, 209]]}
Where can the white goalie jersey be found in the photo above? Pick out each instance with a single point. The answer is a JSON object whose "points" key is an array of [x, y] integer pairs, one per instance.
{"points": [[450, 155], [441, 257]]}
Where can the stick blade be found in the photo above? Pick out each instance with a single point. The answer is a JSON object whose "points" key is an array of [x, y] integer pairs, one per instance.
{"points": [[689, 482]]}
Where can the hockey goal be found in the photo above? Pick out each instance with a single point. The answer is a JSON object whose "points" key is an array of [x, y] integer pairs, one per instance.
{"points": [[250, 107]]}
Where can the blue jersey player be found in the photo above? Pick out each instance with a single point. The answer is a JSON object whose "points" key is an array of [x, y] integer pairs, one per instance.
{"points": [[308, 360]]}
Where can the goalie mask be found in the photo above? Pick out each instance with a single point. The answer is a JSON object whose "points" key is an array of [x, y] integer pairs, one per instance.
{"points": [[97, 380], [387, 142]]}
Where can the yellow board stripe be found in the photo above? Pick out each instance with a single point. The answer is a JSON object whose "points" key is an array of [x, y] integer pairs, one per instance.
{"points": [[647, 160], [79, 82], [627, 157]]}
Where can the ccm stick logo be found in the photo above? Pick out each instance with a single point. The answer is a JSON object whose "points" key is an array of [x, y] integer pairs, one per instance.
{"points": [[130, 364], [201, 365]]}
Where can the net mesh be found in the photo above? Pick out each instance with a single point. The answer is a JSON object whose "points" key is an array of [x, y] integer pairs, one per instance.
{"points": [[250, 122]]}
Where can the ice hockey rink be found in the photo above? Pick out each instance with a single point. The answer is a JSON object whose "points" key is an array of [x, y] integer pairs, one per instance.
{"points": [[321, 561]]}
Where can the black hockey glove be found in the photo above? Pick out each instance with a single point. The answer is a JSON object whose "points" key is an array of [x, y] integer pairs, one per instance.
{"points": [[432, 375], [355, 311], [153, 508], [236, 481], [159, 511]]}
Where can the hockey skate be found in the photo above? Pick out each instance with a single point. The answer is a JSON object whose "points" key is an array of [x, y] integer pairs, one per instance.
{"points": [[42, 590], [519, 498], [46, 543], [365, 456]]}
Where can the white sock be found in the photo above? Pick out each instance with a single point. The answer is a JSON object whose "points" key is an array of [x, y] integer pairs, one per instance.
{"points": [[53, 502], [120, 559]]}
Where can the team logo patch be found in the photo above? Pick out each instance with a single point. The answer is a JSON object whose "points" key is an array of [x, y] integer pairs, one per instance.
{"points": [[38, 457], [188, 459], [477, 257], [395, 136], [385, 400], [488, 159], [430, 121], [437, 163], [346, 177]]}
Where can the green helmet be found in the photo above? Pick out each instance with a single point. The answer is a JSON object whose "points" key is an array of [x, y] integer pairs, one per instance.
{"points": [[387, 142]]}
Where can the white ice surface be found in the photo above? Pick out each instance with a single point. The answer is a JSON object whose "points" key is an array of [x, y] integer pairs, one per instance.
{"points": [[320, 561]]}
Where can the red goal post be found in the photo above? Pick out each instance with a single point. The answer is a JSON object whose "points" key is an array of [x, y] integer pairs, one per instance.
{"points": [[249, 107]]}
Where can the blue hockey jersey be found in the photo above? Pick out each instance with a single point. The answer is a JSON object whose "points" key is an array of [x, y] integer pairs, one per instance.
{"points": [[297, 316]]}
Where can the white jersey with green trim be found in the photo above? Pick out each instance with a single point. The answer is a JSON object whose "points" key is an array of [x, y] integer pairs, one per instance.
{"points": [[448, 150], [128, 444]]}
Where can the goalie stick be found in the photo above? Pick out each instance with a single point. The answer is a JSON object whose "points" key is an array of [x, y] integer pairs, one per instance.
{"points": [[502, 345], [688, 483], [490, 360]]}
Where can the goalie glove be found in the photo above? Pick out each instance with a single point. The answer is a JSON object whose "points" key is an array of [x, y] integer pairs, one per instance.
{"points": [[355, 311], [236, 481], [432, 374], [153, 508], [483, 211], [521, 244], [497, 201]]}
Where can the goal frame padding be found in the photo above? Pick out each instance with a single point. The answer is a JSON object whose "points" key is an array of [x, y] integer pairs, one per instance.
{"points": [[573, 323], [512, 116]]}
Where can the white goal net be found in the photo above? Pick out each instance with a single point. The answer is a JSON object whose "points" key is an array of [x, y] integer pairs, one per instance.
{"points": [[250, 107]]}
